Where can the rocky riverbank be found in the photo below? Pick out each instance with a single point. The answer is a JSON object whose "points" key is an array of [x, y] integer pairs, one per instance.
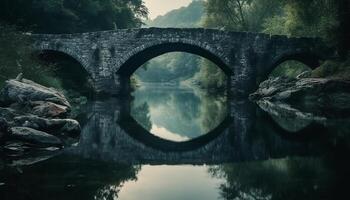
{"points": [[304, 99], [34, 118]]}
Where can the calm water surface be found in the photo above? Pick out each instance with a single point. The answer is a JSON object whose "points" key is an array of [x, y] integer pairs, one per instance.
{"points": [[179, 143]]}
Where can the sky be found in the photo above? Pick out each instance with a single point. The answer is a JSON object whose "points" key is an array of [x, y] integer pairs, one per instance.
{"points": [[160, 7]]}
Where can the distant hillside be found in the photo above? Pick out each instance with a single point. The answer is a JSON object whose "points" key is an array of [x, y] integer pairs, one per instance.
{"points": [[185, 17]]}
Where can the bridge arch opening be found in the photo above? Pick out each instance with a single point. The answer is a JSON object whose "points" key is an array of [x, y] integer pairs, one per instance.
{"points": [[141, 57], [168, 107], [136, 60], [292, 65], [67, 73]]}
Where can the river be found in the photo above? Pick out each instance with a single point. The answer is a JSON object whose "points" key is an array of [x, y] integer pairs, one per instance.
{"points": [[175, 142]]}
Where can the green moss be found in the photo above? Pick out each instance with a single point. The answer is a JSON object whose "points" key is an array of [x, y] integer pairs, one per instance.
{"points": [[333, 69]]}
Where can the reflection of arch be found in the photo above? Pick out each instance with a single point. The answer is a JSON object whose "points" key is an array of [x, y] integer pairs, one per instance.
{"points": [[142, 54], [135, 130], [310, 132]]}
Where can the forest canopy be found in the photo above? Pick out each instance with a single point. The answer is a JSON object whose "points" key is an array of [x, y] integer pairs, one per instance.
{"points": [[71, 16], [56, 16]]}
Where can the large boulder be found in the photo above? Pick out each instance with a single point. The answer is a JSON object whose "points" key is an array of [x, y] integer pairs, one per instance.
{"points": [[21, 91], [49, 109], [309, 93], [35, 137], [67, 127]]}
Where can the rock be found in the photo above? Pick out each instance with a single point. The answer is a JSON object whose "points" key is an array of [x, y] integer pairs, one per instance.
{"points": [[306, 74], [326, 93], [16, 91], [49, 109], [8, 113], [16, 146], [271, 87], [53, 126], [35, 137], [31, 122], [31, 159]]}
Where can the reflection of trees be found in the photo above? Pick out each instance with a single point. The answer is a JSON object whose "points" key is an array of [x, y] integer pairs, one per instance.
{"points": [[172, 108], [168, 67], [291, 178], [142, 116], [213, 110], [68, 177], [188, 112]]}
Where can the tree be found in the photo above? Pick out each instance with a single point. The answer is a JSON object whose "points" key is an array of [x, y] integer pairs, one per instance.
{"points": [[69, 16], [239, 15]]}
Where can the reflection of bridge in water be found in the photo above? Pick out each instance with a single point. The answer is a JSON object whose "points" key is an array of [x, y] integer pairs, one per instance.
{"points": [[111, 134]]}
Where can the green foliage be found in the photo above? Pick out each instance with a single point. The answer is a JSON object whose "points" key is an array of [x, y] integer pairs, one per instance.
{"points": [[305, 18], [239, 15], [211, 105], [173, 66], [16, 57], [210, 76], [169, 67], [56, 70], [290, 68], [57, 16], [235, 15], [333, 69], [68, 16], [327, 19]]}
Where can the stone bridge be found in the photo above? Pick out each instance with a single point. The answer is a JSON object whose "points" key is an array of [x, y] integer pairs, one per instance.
{"points": [[110, 57]]}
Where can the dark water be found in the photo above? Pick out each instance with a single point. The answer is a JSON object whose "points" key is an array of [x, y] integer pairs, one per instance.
{"points": [[201, 147]]}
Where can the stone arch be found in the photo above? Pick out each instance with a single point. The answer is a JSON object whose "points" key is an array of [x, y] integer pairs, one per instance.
{"points": [[88, 76], [73, 53], [138, 56], [308, 58]]}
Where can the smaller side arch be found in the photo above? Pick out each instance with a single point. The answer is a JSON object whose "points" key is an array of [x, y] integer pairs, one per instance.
{"points": [[71, 69], [58, 47], [307, 58]]}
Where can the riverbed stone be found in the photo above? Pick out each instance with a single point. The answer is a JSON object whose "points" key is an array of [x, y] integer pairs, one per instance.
{"points": [[329, 93], [35, 137], [305, 96], [23, 91], [49, 109], [54, 126], [8, 113]]}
